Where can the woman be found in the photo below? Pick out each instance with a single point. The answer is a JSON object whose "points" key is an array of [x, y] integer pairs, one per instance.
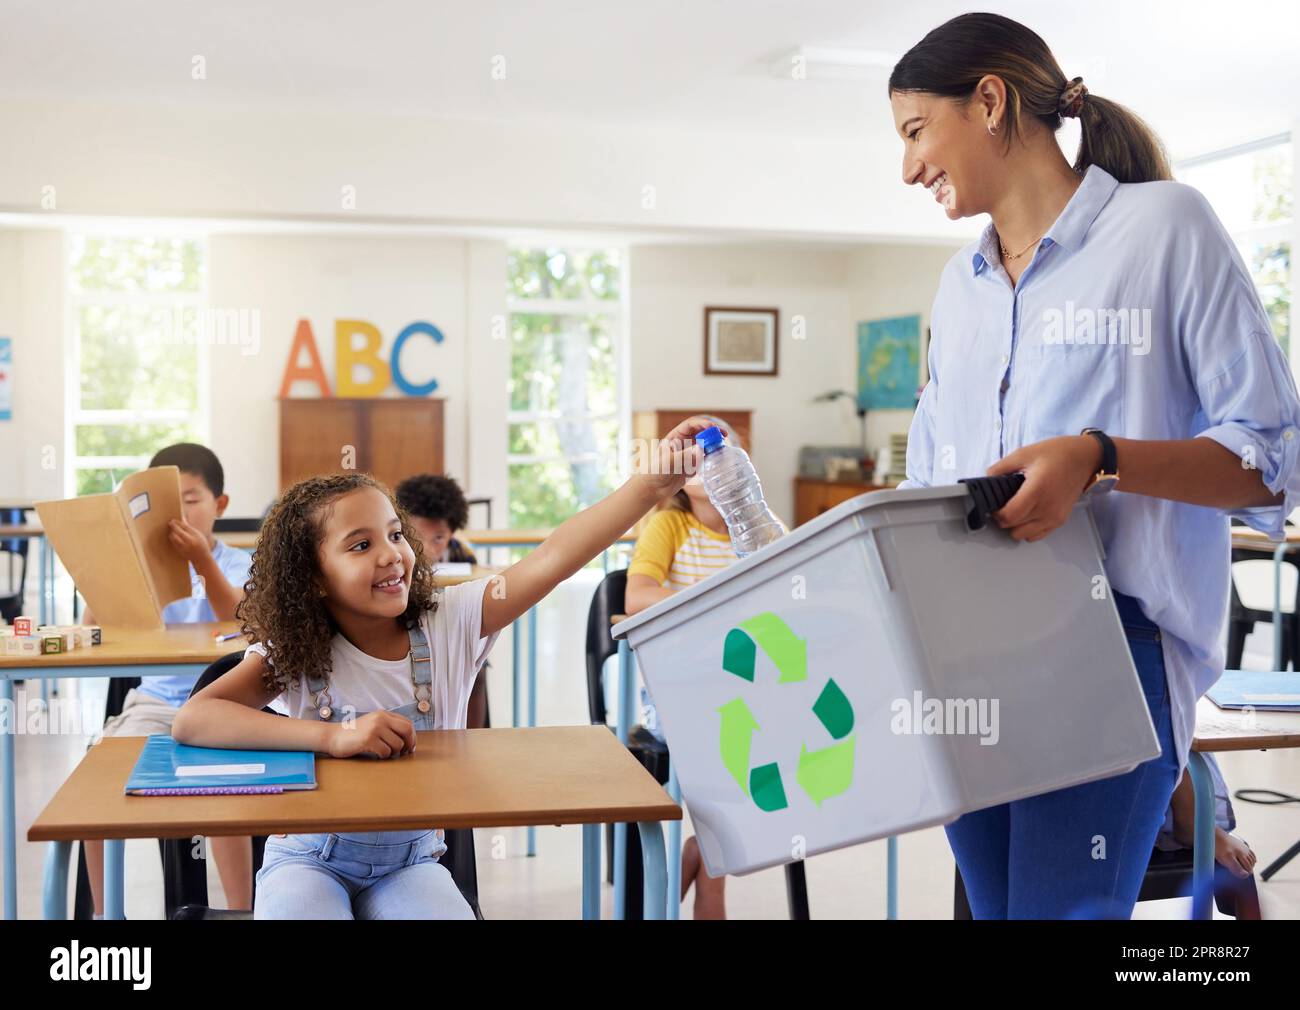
{"points": [[1106, 297]]}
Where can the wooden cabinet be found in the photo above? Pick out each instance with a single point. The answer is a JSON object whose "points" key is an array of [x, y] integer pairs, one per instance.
{"points": [[812, 496], [391, 438]]}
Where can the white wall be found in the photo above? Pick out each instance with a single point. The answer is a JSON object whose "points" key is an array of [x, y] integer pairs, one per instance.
{"points": [[886, 281], [31, 313], [458, 285], [390, 282], [244, 161], [833, 289]]}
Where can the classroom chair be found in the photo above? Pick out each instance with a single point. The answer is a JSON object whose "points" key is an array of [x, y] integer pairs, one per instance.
{"points": [[1252, 602], [11, 601], [607, 601], [1169, 875]]}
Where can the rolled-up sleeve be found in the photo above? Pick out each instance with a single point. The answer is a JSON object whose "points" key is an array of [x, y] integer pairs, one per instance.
{"points": [[1254, 413], [1247, 392]]}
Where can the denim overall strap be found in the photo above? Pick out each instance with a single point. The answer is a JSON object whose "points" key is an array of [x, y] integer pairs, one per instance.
{"points": [[421, 680], [421, 669]]}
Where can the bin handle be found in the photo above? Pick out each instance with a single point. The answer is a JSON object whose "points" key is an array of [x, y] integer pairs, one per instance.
{"points": [[988, 494]]}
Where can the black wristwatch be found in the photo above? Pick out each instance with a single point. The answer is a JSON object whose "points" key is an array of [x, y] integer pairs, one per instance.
{"points": [[1108, 476]]}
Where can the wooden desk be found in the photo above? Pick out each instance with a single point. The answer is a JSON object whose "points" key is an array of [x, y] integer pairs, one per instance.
{"points": [[519, 538], [178, 650], [245, 540], [455, 779]]}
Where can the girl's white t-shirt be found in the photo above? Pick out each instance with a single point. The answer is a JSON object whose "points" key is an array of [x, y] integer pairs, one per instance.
{"points": [[367, 684]]}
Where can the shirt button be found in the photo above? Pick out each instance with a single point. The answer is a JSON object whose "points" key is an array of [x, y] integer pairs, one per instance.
{"points": [[1005, 359], [997, 424], [1289, 434]]}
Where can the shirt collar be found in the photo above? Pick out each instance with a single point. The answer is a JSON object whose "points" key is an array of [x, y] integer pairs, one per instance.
{"points": [[1069, 229]]}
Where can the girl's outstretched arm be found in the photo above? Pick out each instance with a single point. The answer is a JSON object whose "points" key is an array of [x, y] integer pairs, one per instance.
{"points": [[579, 539]]}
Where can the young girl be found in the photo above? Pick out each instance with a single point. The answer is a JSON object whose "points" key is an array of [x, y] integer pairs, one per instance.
{"points": [[349, 629], [684, 542]]}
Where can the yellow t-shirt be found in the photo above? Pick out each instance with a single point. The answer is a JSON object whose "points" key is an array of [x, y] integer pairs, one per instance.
{"points": [[677, 550]]}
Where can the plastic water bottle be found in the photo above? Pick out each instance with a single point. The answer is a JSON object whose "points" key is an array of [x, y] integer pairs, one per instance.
{"points": [[732, 485]]}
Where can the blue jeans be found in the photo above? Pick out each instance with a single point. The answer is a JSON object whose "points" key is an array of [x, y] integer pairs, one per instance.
{"points": [[388, 875], [1081, 852]]}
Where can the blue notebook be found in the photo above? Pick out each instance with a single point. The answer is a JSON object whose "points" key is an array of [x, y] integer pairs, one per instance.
{"points": [[1265, 692], [167, 768]]}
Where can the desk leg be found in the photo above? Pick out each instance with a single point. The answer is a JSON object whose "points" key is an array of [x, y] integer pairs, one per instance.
{"points": [[674, 848], [622, 727], [1203, 846], [654, 869], [516, 637], [532, 701], [891, 878], [114, 869], [43, 589], [56, 879], [7, 802], [591, 871], [1278, 553]]}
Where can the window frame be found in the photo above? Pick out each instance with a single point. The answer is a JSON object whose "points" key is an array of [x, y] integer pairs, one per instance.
{"points": [[74, 301], [1272, 232], [619, 310]]}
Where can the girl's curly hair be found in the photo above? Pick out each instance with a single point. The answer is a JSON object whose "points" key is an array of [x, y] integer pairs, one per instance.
{"points": [[282, 606]]}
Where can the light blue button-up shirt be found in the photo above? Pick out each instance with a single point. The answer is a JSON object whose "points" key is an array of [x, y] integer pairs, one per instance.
{"points": [[1136, 315]]}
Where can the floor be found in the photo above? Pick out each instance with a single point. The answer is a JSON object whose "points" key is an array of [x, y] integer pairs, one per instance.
{"points": [[849, 883]]}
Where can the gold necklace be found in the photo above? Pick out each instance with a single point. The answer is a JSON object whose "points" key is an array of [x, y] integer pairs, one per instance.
{"points": [[1007, 255]]}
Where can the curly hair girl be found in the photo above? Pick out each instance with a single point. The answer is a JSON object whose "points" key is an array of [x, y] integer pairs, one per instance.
{"points": [[285, 600]]}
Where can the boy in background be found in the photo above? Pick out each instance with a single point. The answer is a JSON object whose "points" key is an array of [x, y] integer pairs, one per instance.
{"points": [[217, 577]]}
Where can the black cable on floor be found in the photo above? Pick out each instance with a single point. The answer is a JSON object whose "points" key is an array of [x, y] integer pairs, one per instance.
{"points": [[1241, 794]]}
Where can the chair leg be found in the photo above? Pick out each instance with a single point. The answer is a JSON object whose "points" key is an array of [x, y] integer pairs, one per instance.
{"points": [[1237, 632], [796, 890], [83, 902]]}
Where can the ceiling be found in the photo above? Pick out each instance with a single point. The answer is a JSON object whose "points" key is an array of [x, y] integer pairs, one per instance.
{"points": [[1206, 75]]}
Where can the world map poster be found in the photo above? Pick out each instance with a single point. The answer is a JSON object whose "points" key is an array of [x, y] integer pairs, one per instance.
{"points": [[889, 361]]}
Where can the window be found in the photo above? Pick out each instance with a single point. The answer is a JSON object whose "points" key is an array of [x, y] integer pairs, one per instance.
{"points": [[568, 395], [1252, 190], [136, 382]]}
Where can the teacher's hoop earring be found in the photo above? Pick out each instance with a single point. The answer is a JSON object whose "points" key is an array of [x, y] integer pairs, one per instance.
{"points": [[993, 128]]}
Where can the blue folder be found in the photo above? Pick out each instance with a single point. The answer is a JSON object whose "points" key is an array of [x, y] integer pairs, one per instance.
{"points": [[1269, 691], [167, 768]]}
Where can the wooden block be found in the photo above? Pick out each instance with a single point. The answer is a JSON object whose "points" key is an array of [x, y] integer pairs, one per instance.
{"points": [[22, 626]]}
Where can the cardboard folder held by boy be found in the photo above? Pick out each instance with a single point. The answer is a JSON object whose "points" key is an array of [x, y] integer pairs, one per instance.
{"points": [[115, 547]]}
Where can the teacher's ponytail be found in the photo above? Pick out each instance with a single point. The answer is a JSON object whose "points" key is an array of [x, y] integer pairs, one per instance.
{"points": [[951, 60]]}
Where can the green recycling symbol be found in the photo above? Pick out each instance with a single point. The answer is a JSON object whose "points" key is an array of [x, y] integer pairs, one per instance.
{"points": [[821, 773]]}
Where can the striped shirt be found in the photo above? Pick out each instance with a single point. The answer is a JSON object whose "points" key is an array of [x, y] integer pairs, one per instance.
{"points": [[677, 550]]}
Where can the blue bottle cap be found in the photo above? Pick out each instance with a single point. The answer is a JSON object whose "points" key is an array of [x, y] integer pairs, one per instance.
{"points": [[709, 439]]}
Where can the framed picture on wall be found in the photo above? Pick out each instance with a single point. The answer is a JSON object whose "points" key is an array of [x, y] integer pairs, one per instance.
{"points": [[740, 341]]}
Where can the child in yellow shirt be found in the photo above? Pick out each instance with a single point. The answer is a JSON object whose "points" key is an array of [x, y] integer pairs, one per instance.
{"points": [[684, 542]]}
